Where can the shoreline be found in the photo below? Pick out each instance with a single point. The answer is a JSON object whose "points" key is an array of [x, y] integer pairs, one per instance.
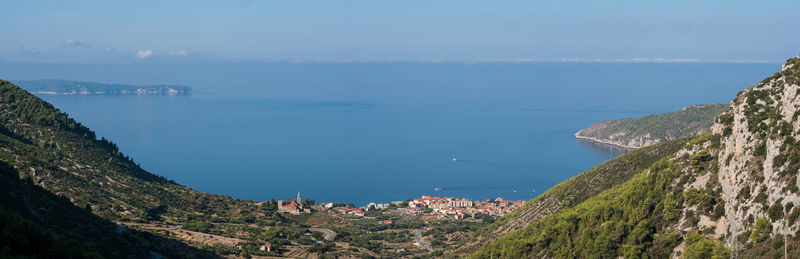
{"points": [[603, 141], [111, 93]]}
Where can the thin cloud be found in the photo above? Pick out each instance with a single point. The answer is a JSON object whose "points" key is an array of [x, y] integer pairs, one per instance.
{"points": [[75, 43], [179, 53], [28, 52], [144, 53]]}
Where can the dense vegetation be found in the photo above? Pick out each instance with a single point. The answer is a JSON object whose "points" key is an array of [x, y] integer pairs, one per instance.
{"points": [[575, 190], [37, 223], [20, 237], [651, 129], [74, 87], [630, 219]]}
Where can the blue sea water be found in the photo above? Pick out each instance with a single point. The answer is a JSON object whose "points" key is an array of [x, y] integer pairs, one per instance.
{"points": [[380, 132]]}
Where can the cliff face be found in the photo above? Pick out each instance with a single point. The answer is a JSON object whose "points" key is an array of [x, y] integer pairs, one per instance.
{"points": [[760, 155], [638, 132]]}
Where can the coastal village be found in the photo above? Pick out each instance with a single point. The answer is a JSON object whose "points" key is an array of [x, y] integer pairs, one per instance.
{"points": [[442, 207], [457, 208]]}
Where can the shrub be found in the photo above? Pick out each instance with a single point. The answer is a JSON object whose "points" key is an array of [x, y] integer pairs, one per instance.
{"points": [[663, 244], [792, 217], [697, 246], [761, 197], [197, 226], [762, 230], [719, 211], [744, 193], [775, 211], [698, 160]]}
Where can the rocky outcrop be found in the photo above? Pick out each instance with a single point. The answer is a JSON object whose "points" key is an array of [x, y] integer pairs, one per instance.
{"points": [[759, 161]]}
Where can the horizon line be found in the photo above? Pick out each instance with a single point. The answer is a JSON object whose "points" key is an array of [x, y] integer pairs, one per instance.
{"points": [[387, 61]]}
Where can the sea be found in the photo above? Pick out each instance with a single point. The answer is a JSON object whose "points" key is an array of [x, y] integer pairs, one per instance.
{"points": [[379, 132]]}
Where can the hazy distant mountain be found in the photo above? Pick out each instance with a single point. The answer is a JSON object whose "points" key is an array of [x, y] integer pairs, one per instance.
{"points": [[56, 86]]}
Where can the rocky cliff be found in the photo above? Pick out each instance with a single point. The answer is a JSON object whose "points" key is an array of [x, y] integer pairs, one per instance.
{"points": [[760, 155]]}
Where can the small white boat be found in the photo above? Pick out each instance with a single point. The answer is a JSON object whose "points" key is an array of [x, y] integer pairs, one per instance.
{"points": [[454, 159], [437, 189]]}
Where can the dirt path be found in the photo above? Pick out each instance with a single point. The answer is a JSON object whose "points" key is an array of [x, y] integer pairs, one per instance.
{"points": [[419, 242], [329, 234], [192, 236]]}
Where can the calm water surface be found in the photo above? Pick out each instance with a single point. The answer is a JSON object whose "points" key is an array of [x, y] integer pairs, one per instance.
{"points": [[379, 132]]}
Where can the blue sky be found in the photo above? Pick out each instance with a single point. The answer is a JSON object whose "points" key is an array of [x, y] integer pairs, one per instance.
{"points": [[373, 30]]}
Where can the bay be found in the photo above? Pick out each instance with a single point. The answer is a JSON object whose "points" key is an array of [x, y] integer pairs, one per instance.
{"points": [[364, 132]]}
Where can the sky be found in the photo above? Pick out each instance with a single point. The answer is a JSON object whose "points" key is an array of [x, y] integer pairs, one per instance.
{"points": [[109, 31]]}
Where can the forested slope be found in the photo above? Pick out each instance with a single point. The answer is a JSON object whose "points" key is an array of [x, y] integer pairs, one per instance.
{"points": [[38, 223], [575, 190]]}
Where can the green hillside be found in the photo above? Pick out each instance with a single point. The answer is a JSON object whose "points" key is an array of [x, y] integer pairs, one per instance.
{"points": [[638, 132], [575, 190], [21, 236], [35, 222], [631, 219]]}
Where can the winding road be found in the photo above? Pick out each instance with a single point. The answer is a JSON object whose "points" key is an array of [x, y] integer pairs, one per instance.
{"points": [[418, 239], [329, 234]]}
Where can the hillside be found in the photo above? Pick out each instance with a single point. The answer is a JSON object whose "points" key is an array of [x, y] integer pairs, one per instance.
{"points": [[55, 86], [575, 190], [23, 236], [732, 192], [65, 159], [30, 215], [638, 132]]}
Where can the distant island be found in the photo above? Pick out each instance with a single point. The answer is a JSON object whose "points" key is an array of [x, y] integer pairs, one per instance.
{"points": [[652, 129], [56, 86]]}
